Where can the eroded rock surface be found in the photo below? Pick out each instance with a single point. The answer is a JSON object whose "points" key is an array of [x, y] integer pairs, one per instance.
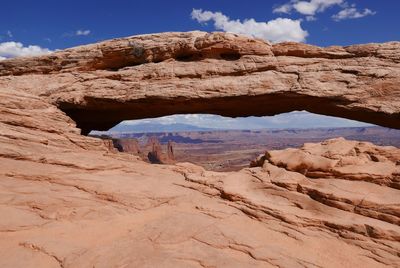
{"points": [[146, 76], [67, 200], [128, 145], [351, 160], [156, 155]]}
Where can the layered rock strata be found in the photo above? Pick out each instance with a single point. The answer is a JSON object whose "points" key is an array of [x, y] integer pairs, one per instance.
{"points": [[102, 84]]}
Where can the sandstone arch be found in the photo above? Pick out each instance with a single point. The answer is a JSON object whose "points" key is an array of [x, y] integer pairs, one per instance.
{"points": [[70, 201], [145, 76]]}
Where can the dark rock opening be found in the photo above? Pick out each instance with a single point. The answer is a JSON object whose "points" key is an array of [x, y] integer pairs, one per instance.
{"points": [[231, 56], [98, 114], [189, 57]]}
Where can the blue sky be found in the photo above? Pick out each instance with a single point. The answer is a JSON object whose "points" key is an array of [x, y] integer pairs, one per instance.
{"points": [[53, 24], [35, 27]]}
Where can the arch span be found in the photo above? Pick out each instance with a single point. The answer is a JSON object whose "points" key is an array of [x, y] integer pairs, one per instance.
{"points": [[103, 119], [147, 76]]}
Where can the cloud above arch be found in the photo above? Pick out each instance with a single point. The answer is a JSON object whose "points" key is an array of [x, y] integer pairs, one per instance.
{"points": [[277, 30]]}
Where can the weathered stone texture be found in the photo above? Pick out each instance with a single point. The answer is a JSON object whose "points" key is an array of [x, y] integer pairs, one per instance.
{"points": [[68, 200]]}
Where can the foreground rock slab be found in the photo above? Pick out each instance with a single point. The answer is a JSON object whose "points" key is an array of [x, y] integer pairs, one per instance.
{"points": [[67, 200]]}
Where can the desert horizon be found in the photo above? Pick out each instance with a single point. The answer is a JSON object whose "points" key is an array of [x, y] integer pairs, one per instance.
{"points": [[234, 149]]}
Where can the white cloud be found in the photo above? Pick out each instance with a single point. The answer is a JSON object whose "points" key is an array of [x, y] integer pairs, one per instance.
{"points": [[309, 8], [315, 6], [296, 119], [286, 8], [16, 49], [9, 34], [352, 13], [278, 30], [310, 18], [77, 33], [82, 32]]}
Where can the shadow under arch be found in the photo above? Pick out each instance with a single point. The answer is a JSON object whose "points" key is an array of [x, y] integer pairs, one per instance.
{"points": [[103, 114]]}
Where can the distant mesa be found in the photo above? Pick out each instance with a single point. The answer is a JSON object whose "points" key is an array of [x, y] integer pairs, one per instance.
{"points": [[232, 150], [155, 127]]}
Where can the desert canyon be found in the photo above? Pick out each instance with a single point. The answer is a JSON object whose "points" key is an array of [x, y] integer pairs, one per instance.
{"points": [[70, 200], [229, 150]]}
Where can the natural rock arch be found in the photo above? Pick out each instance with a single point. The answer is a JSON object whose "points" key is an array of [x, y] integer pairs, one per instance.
{"points": [[146, 76], [62, 192]]}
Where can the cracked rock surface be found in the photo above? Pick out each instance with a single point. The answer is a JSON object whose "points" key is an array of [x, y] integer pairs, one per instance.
{"points": [[67, 200]]}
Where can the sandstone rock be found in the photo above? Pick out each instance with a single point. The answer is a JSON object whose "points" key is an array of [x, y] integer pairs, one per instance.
{"points": [[66, 200], [156, 154], [127, 145], [110, 145], [170, 151], [339, 158], [103, 84]]}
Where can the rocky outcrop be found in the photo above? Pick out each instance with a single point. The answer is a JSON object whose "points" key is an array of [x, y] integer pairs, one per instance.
{"points": [[152, 151], [66, 200], [170, 151], [110, 145], [338, 158], [102, 84], [127, 145], [325, 167], [155, 153]]}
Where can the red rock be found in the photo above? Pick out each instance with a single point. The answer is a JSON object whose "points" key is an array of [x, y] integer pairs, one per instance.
{"points": [[231, 75], [156, 154], [67, 201], [127, 145], [339, 158], [170, 151]]}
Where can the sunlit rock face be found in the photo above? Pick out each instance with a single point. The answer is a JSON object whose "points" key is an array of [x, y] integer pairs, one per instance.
{"points": [[73, 201], [145, 76]]}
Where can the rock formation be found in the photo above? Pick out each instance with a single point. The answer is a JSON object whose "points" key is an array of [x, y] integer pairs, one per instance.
{"points": [[68, 201], [103, 84], [338, 158], [152, 151], [110, 145], [127, 145], [155, 152], [170, 151]]}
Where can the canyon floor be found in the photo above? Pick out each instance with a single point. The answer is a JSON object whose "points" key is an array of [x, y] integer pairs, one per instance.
{"points": [[232, 150]]}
